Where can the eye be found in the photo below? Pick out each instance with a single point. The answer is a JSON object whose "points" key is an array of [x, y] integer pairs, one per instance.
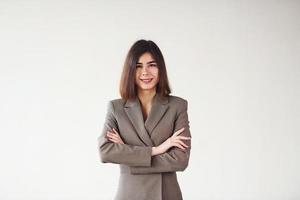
{"points": [[138, 66], [153, 65]]}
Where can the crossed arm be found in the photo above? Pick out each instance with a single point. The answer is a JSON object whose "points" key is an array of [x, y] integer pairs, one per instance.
{"points": [[143, 159]]}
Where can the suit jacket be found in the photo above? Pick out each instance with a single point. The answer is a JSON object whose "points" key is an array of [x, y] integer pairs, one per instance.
{"points": [[142, 176]]}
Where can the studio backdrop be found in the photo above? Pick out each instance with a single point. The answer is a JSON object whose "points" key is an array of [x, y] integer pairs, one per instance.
{"points": [[236, 62]]}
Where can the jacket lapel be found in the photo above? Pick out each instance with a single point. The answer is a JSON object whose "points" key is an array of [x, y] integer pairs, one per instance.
{"points": [[133, 109], [159, 107]]}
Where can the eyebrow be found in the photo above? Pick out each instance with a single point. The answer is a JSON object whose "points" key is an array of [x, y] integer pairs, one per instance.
{"points": [[152, 61]]}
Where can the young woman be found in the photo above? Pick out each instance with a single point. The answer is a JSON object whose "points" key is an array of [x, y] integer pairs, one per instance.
{"points": [[146, 131]]}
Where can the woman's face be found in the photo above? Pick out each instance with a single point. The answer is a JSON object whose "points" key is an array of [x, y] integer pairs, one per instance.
{"points": [[146, 76]]}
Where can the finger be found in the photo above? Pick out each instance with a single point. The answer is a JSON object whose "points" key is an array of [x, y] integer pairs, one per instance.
{"points": [[176, 143], [183, 137], [179, 146], [114, 141], [120, 142], [114, 136], [182, 143], [111, 134], [178, 132], [115, 131], [119, 139]]}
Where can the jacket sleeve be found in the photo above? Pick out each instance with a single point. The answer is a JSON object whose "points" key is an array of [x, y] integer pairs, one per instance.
{"points": [[174, 159], [120, 153]]}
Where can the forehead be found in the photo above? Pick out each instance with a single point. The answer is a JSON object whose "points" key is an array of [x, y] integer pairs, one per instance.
{"points": [[146, 57]]}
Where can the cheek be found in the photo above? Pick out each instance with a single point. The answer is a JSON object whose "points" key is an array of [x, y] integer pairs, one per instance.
{"points": [[155, 72], [137, 75]]}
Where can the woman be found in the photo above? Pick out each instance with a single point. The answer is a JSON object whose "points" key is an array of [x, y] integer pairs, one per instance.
{"points": [[146, 131]]}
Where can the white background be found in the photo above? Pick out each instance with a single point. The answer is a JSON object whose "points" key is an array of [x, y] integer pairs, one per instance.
{"points": [[236, 62]]}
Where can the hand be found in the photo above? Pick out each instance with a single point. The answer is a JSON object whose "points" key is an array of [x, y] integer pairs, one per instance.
{"points": [[114, 137], [174, 140]]}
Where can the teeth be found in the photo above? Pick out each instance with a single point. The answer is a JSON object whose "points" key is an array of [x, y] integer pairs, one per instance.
{"points": [[146, 80]]}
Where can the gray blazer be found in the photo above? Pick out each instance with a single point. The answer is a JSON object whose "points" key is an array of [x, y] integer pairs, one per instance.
{"points": [[142, 176]]}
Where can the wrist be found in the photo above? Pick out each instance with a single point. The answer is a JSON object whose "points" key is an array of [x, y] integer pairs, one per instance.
{"points": [[155, 151]]}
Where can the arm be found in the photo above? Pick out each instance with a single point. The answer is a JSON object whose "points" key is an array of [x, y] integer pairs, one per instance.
{"points": [[120, 153], [174, 159]]}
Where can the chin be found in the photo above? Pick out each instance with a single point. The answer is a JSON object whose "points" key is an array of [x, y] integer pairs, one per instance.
{"points": [[147, 87], [143, 86]]}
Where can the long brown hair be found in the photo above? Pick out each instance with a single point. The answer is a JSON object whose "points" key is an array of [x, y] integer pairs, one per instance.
{"points": [[128, 88]]}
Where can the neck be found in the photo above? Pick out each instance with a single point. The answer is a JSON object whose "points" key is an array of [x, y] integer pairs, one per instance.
{"points": [[146, 96]]}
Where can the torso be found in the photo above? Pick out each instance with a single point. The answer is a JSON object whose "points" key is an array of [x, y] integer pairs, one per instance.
{"points": [[146, 111]]}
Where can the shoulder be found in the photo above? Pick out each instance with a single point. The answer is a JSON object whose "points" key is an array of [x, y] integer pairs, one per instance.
{"points": [[116, 102], [175, 101], [178, 101], [180, 104]]}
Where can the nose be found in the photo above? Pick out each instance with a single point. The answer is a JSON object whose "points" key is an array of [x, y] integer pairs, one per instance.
{"points": [[144, 70]]}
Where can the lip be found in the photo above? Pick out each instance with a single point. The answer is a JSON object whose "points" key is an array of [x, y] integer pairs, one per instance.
{"points": [[147, 80]]}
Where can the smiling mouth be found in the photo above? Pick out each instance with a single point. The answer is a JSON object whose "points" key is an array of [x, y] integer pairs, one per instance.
{"points": [[148, 80]]}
